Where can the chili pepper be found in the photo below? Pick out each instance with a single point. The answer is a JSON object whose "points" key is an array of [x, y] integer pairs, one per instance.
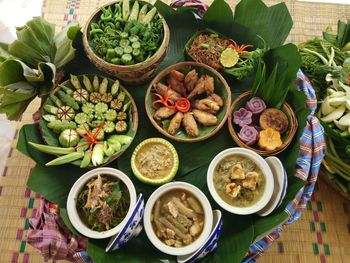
{"points": [[183, 105]]}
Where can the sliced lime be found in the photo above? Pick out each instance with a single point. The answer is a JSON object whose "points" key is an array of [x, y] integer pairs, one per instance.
{"points": [[229, 57], [148, 144]]}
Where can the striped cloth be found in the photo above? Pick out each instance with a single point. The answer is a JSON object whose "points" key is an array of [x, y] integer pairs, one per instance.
{"points": [[53, 239]]}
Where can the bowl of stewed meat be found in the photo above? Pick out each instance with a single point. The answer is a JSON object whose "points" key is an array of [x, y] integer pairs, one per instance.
{"points": [[178, 218]]}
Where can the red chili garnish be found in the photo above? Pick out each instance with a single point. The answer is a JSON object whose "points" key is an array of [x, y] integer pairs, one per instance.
{"points": [[91, 138], [183, 104], [239, 48]]}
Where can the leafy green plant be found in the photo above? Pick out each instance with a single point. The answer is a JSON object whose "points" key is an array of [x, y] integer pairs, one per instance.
{"points": [[28, 65], [342, 37]]}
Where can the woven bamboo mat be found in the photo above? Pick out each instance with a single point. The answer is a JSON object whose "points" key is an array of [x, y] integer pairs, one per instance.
{"points": [[322, 234]]}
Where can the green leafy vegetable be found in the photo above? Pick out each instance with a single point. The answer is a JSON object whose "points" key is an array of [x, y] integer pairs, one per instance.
{"points": [[36, 42], [342, 38]]}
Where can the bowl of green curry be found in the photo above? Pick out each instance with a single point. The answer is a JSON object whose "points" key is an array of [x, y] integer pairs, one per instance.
{"points": [[240, 181]]}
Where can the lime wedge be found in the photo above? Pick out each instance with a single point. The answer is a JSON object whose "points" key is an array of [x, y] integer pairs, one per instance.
{"points": [[229, 57], [146, 155]]}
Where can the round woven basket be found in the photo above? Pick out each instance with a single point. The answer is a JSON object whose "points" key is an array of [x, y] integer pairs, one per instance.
{"points": [[134, 114], [186, 66], [136, 74], [292, 126]]}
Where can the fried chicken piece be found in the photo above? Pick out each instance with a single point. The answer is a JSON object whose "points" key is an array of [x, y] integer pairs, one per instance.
{"points": [[164, 91], [250, 181], [237, 172], [164, 113], [176, 82], [233, 189], [206, 105], [175, 123], [216, 98], [205, 118], [191, 79], [205, 84], [190, 124]]}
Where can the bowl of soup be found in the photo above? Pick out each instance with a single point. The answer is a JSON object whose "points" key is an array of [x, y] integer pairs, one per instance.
{"points": [[101, 202], [178, 218], [240, 181]]}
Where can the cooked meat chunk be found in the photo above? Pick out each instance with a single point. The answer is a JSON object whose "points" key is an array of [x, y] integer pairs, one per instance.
{"points": [[206, 105], [205, 84], [175, 123], [196, 229], [190, 124], [164, 91], [205, 118], [176, 82], [191, 79], [233, 189], [174, 211], [237, 172], [164, 113], [250, 180]]}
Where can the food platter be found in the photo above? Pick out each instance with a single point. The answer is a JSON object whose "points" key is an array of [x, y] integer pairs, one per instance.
{"points": [[194, 158]]}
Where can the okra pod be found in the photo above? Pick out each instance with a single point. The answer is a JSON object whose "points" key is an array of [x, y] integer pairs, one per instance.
{"points": [[49, 117], [87, 83], [56, 100], [121, 96], [115, 88], [96, 83], [86, 160], [52, 149], [75, 81], [71, 157], [126, 105], [51, 109], [70, 101], [66, 89], [103, 86]]}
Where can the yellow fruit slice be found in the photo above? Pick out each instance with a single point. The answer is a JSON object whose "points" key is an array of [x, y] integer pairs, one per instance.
{"points": [[229, 57]]}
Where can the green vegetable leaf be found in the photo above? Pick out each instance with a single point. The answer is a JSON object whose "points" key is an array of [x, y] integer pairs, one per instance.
{"points": [[37, 43], [253, 18], [221, 23], [20, 84]]}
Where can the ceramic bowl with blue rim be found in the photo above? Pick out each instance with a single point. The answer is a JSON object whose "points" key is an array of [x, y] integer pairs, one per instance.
{"points": [[171, 220], [280, 185], [72, 210], [131, 229], [209, 245]]}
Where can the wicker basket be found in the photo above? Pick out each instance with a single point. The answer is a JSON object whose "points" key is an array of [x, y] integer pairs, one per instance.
{"points": [[292, 128], [136, 74], [187, 66]]}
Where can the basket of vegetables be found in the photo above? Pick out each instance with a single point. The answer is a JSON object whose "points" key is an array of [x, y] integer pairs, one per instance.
{"points": [[127, 39], [87, 121]]}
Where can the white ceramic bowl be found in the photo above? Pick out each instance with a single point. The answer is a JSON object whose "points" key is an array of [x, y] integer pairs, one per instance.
{"points": [[77, 187], [208, 214], [265, 170]]}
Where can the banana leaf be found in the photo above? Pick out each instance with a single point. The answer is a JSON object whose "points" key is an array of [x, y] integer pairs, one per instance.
{"points": [[239, 231], [19, 84]]}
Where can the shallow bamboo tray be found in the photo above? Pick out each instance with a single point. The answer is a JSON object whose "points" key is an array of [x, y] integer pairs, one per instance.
{"points": [[186, 66], [292, 126], [134, 113]]}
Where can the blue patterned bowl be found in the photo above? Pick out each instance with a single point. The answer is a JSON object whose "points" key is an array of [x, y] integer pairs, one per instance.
{"points": [[131, 229], [209, 245]]}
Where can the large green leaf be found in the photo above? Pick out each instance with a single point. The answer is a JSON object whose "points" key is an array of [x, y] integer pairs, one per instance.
{"points": [[221, 23], [36, 42], [253, 18], [20, 84]]}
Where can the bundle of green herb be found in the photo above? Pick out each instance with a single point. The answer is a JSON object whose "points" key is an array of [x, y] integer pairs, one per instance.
{"points": [[28, 65]]}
